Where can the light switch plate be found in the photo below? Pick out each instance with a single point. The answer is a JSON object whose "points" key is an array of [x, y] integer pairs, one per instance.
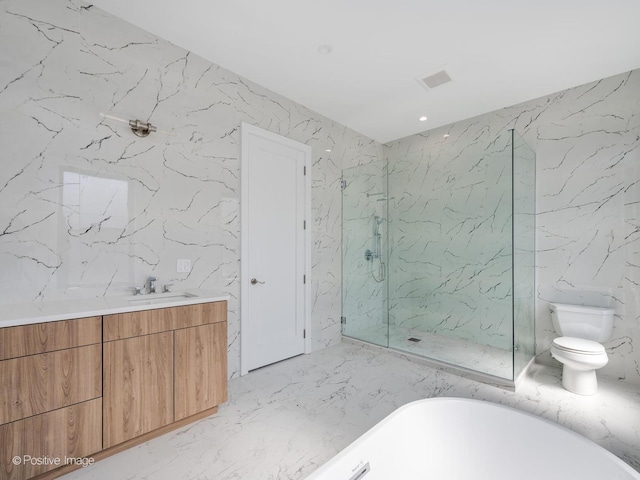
{"points": [[183, 265]]}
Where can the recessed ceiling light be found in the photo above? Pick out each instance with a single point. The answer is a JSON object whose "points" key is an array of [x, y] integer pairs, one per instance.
{"points": [[423, 118], [328, 150], [446, 135], [325, 49]]}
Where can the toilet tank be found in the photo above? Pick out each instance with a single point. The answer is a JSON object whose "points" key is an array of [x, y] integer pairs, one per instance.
{"points": [[580, 321]]}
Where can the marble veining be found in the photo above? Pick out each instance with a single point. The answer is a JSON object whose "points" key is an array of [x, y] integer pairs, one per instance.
{"points": [[283, 421], [587, 145], [87, 209], [451, 245], [69, 61]]}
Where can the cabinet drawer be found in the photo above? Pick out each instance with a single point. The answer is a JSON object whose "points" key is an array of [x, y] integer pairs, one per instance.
{"points": [[71, 432], [50, 336], [146, 322], [45, 382]]}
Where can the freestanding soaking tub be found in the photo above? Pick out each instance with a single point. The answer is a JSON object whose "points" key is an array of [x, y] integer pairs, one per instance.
{"points": [[456, 439]]}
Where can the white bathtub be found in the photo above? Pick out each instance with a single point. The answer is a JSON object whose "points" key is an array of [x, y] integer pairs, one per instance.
{"points": [[452, 438]]}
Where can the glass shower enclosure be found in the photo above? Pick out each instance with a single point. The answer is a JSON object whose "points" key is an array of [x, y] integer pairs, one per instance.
{"points": [[438, 254]]}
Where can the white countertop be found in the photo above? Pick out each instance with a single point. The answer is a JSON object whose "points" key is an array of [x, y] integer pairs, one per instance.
{"points": [[37, 312]]}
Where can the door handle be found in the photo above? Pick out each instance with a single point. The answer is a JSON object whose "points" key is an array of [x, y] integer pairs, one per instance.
{"points": [[255, 281]]}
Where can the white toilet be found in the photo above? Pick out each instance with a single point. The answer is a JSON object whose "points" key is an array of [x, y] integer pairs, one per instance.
{"points": [[579, 348]]}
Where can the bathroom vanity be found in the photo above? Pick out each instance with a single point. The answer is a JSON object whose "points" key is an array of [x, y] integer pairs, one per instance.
{"points": [[75, 390]]}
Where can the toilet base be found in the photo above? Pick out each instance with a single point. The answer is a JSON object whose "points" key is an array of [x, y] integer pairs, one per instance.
{"points": [[582, 382]]}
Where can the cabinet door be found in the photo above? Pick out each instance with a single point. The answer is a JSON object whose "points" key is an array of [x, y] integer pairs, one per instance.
{"points": [[138, 386], [71, 432], [200, 368]]}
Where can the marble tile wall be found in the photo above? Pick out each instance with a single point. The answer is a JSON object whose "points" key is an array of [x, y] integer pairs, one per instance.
{"points": [[450, 237], [88, 209], [587, 144], [175, 195]]}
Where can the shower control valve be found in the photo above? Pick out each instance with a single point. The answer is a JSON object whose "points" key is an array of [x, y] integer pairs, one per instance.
{"points": [[368, 255]]}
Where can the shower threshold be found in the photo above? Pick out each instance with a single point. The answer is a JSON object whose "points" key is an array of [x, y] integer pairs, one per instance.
{"points": [[461, 357]]}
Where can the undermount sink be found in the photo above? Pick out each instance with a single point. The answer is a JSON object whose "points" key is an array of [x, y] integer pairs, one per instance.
{"points": [[152, 298]]}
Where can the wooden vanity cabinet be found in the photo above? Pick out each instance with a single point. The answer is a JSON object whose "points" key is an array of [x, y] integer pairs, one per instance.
{"points": [[50, 407], [162, 366], [89, 387]]}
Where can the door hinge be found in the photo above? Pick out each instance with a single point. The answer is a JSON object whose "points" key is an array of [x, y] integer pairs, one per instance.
{"points": [[304, 279], [304, 224], [304, 333], [343, 320], [304, 170]]}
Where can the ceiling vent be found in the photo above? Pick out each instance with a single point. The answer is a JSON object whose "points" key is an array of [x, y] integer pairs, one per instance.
{"points": [[435, 80]]}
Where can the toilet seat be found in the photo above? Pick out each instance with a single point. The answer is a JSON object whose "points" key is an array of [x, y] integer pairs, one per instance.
{"points": [[578, 346]]}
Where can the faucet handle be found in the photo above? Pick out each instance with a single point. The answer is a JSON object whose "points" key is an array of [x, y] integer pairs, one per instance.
{"points": [[137, 290], [167, 287]]}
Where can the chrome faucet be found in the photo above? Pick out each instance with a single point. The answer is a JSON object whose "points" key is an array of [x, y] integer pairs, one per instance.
{"points": [[151, 282]]}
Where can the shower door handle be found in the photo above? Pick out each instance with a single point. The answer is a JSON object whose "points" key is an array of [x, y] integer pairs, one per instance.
{"points": [[254, 281]]}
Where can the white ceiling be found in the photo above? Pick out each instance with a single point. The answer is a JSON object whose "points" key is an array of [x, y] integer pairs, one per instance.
{"points": [[498, 52]]}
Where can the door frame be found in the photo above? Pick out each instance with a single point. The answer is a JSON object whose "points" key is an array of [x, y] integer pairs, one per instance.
{"points": [[246, 131]]}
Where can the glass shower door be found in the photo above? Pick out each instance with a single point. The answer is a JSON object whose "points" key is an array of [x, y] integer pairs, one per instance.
{"points": [[364, 253]]}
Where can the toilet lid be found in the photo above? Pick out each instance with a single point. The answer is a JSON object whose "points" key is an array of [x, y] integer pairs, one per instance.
{"points": [[579, 345]]}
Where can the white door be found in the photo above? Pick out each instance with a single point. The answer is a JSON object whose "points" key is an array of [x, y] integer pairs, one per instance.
{"points": [[274, 247]]}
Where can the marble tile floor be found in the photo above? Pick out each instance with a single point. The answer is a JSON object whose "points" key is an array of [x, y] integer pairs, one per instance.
{"points": [[284, 420], [453, 350]]}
